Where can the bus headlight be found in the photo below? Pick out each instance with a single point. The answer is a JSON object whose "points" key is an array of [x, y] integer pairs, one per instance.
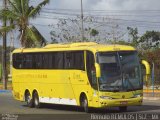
{"points": [[137, 95], [105, 97]]}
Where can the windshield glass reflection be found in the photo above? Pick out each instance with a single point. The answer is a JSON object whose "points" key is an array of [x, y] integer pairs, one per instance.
{"points": [[120, 71]]}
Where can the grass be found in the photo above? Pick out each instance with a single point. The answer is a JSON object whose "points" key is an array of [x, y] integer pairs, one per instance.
{"points": [[0, 71]]}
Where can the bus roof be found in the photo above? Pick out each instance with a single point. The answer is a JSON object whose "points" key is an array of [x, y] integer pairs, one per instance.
{"points": [[92, 46]]}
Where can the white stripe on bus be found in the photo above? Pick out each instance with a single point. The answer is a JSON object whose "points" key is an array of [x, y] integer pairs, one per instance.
{"points": [[63, 101]]}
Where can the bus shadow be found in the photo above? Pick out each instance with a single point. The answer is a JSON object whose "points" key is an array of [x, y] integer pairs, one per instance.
{"points": [[62, 107], [144, 108], [134, 109]]}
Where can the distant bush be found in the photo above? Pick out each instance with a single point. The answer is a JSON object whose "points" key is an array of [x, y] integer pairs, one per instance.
{"points": [[0, 72]]}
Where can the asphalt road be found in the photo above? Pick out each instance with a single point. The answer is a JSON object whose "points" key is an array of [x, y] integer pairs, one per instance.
{"points": [[10, 106]]}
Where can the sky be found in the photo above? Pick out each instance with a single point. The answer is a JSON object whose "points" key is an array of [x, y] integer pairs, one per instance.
{"points": [[143, 14]]}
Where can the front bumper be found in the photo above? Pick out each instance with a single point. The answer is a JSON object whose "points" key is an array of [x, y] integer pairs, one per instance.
{"points": [[120, 102]]}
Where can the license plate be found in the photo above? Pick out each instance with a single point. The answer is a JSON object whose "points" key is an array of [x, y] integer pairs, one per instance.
{"points": [[123, 102]]}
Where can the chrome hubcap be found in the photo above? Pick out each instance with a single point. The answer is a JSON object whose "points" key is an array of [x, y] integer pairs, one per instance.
{"points": [[28, 99], [36, 101]]}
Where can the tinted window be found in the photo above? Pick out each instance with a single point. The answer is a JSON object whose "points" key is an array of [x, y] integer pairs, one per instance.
{"points": [[78, 61], [17, 60], [49, 60], [37, 60], [58, 60], [27, 61], [91, 69], [75, 60]]}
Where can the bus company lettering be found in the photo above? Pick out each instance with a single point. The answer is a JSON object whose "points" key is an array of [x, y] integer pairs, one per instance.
{"points": [[43, 76]]}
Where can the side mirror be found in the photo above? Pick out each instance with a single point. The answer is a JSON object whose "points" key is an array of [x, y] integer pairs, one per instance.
{"points": [[147, 66], [98, 70], [148, 70]]}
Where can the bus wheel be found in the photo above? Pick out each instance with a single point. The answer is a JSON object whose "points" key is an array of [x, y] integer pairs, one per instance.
{"points": [[28, 100], [84, 104], [123, 108], [36, 100]]}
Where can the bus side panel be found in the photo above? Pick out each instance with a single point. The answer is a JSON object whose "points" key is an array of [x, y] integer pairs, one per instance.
{"points": [[57, 87], [28, 80], [15, 84], [80, 84]]}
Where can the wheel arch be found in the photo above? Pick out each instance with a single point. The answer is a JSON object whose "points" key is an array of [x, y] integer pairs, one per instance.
{"points": [[25, 93], [34, 92], [82, 95]]}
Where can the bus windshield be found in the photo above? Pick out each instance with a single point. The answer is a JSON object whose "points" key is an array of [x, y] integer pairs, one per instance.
{"points": [[120, 71]]}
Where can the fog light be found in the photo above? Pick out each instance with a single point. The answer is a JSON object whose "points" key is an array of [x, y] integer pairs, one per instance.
{"points": [[137, 95]]}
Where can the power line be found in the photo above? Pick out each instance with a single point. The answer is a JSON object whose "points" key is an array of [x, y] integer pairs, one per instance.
{"points": [[100, 15], [142, 26], [120, 24], [72, 14], [131, 20], [101, 10]]}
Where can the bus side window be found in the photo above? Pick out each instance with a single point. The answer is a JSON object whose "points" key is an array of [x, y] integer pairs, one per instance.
{"points": [[46, 60], [74, 60], [79, 60], [58, 60], [27, 61], [38, 61], [67, 60], [91, 69], [17, 60]]}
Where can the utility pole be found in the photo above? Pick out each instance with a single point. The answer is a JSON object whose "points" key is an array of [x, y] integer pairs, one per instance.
{"points": [[153, 79], [4, 65], [82, 29]]}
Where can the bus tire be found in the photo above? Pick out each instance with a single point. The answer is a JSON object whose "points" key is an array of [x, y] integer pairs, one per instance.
{"points": [[123, 108], [84, 104], [29, 99], [36, 100]]}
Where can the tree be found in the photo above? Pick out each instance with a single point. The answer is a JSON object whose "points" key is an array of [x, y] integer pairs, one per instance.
{"points": [[18, 15], [94, 32], [8, 49], [153, 56], [120, 42], [133, 33], [69, 30], [95, 29], [150, 40]]}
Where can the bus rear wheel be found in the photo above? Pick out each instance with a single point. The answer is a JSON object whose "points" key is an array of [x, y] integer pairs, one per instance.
{"points": [[36, 100], [84, 104], [123, 108], [29, 100]]}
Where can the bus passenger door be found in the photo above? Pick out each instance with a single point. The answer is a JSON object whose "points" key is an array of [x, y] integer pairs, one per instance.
{"points": [[91, 73], [69, 71], [75, 63]]}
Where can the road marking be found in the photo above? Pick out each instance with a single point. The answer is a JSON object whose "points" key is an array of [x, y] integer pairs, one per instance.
{"points": [[5, 91], [151, 98]]}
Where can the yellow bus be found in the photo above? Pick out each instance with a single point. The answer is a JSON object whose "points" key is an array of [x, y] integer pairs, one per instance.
{"points": [[81, 74]]}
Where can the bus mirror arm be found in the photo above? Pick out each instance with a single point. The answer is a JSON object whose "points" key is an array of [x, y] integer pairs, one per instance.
{"points": [[98, 71], [147, 67], [148, 70]]}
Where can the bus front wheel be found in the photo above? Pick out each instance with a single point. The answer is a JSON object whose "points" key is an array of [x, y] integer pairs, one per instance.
{"points": [[28, 100], [36, 100], [84, 104]]}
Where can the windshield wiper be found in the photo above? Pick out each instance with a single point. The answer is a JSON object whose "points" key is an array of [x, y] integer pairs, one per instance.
{"points": [[110, 88]]}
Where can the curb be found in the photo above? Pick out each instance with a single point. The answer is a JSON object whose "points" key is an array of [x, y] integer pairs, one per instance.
{"points": [[151, 98], [5, 91]]}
